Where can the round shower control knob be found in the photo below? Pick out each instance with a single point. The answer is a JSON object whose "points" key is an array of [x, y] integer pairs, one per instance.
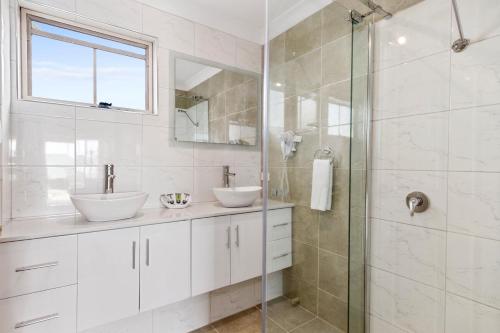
{"points": [[417, 202]]}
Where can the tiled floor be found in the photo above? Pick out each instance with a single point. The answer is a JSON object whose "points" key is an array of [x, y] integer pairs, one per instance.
{"points": [[282, 318]]}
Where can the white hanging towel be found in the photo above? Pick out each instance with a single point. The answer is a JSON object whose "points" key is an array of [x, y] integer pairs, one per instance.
{"points": [[322, 183]]}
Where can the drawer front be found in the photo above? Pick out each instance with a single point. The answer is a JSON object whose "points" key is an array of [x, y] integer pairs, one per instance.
{"points": [[279, 254], [36, 265], [51, 311], [279, 224]]}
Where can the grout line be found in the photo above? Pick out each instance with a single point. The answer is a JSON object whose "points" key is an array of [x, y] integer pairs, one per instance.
{"points": [[303, 324], [446, 230], [473, 300], [407, 278]]}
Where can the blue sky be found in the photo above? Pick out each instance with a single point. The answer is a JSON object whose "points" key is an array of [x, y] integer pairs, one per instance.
{"points": [[64, 71]]}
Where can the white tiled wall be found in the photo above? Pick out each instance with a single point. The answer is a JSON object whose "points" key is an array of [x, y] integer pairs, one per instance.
{"points": [[58, 149], [436, 125]]}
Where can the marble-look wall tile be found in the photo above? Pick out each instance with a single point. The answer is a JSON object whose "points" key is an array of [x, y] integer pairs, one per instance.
{"points": [[334, 22], [333, 274], [475, 139], [412, 252], [466, 316], [41, 140], [115, 116], [473, 268], [333, 310], [246, 176], [303, 74], [215, 45], [126, 13], [334, 232], [305, 224], [38, 191], [409, 35], [336, 60], [69, 5], [249, 56], [405, 303], [335, 104], [303, 37], [160, 149], [478, 19], [160, 180], [390, 187], [173, 32], [164, 116], [205, 179], [378, 325], [474, 74], [98, 143], [411, 143], [474, 203], [91, 179], [42, 109], [213, 155], [399, 89]]}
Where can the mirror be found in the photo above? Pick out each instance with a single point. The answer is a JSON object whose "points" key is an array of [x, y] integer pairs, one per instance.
{"points": [[214, 104]]}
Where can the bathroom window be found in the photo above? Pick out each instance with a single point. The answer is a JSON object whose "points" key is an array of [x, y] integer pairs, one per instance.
{"points": [[71, 63]]}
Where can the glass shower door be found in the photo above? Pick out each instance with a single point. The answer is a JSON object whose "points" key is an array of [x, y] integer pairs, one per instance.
{"points": [[317, 101]]}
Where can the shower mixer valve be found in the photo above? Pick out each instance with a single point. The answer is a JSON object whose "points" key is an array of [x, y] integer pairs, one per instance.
{"points": [[417, 202]]}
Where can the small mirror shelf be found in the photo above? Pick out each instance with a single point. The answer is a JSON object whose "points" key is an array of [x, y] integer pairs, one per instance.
{"points": [[215, 104]]}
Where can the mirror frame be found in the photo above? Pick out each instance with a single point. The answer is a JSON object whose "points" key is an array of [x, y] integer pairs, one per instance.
{"points": [[172, 75]]}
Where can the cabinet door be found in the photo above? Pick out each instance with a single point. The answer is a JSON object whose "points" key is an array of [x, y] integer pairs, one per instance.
{"points": [[165, 264], [108, 276], [211, 254], [246, 248]]}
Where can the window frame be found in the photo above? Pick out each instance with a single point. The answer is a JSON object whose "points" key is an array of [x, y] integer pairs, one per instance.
{"points": [[27, 16]]}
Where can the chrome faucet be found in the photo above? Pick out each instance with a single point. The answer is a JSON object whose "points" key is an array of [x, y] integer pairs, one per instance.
{"points": [[226, 174], [109, 178]]}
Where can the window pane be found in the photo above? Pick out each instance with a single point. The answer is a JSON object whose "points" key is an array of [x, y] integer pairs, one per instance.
{"points": [[121, 80], [61, 70], [87, 38]]}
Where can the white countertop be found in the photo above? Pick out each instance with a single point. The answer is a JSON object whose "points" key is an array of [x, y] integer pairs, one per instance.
{"points": [[31, 228]]}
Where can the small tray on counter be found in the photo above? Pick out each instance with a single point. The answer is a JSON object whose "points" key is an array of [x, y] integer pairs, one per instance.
{"points": [[175, 200]]}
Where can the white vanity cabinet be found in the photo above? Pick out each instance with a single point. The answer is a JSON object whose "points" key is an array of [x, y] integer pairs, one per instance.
{"points": [[108, 276], [165, 264], [228, 249], [211, 254], [246, 246]]}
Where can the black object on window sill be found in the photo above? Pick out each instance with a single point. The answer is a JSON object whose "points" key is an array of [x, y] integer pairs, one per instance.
{"points": [[105, 105]]}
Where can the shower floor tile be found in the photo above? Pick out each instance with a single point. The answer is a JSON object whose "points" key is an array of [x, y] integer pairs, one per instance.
{"points": [[282, 318]]}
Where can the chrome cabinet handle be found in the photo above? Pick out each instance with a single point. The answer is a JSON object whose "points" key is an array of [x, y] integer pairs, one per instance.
{"points": [[228, 243], [237, 236], [281, 225], [44, 265], [147, 252], [133, 254], [281, 256], [36, 320]]}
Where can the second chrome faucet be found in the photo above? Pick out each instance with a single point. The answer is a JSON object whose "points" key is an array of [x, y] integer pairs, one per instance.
{"points": [[109, 178], [226, 174]]}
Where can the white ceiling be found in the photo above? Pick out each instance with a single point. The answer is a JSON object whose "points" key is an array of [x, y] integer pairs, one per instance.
{"points": [[189, 74], [242, 18]]}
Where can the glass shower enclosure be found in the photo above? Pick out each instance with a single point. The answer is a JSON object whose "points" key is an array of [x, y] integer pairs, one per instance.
{"points": [[317, 101]]}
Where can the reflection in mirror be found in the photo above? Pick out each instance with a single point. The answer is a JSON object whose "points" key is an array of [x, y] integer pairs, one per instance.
{"points": [[215, 105]]}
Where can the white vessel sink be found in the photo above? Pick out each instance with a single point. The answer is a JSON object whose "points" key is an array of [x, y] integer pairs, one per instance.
{"points": [[109, 207], [237, 196]]}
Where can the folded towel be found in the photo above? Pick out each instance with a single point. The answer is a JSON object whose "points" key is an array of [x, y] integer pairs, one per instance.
{"points": [[322, 184]]}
